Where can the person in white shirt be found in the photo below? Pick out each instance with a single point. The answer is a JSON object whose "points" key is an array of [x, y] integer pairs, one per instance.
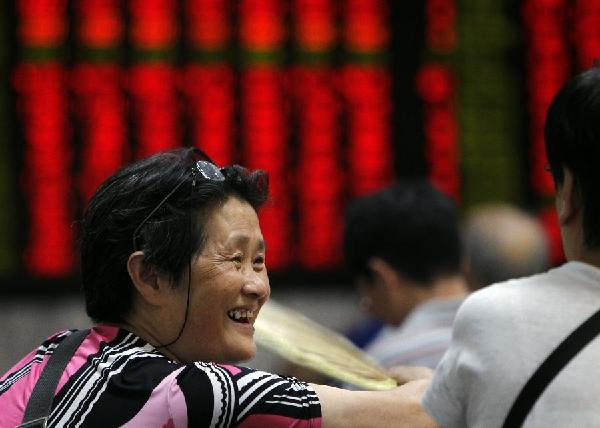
{"points": [[504, 332]]}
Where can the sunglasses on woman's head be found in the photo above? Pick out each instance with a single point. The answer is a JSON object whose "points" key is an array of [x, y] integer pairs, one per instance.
{"points": [[204, 169]]}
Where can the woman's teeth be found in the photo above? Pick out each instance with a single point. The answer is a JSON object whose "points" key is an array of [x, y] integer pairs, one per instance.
{"points": [[241, 315]]}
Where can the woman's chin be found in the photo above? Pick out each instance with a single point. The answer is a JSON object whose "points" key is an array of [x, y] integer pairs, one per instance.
{"points": [[243, 349], [244, 354]]}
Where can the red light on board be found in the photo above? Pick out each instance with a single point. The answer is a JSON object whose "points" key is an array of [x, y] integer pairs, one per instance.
{"points": [[261, 24], [42, 109], [153, 23], [435, 83], [319, 176], [586, 32], [366, 25], [208, 23], [101, 111], [315, 26], [548, 67], [367, 93], [209, 91], [440, 28], [99, 22], [264, 131], [155, 108], [42, 22]]}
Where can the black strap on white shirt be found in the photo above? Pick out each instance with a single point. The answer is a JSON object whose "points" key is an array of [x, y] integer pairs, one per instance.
{"points": [[550, 368], [40, 402]]}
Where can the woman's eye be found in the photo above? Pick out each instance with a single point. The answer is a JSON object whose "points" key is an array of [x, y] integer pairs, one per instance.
{"points": [[259, 260], [237, 258]]}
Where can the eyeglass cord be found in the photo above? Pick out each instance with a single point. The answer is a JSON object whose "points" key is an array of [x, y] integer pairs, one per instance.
{"points": [[187, 304]]}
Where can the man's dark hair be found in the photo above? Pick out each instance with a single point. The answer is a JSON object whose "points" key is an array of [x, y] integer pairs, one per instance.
{"points": [[126, 199], [573, 140], [412, 226]]}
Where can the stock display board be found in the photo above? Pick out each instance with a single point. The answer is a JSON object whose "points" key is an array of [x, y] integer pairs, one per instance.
{"points": [[334, 98]]}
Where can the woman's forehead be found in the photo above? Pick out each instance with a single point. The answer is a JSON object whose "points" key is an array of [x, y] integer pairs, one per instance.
{"points": [[234, 222]]}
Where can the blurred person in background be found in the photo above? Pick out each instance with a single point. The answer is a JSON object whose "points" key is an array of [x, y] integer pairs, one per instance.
{"points": [[403, 247], [503, 242], [174, 274], [510, 363]]}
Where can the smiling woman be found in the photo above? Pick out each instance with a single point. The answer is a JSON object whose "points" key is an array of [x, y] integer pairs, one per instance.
{"points": [[228, 286], [174, 275]]}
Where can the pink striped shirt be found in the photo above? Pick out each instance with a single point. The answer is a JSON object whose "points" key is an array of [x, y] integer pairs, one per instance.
{"points": [[117, 379]]}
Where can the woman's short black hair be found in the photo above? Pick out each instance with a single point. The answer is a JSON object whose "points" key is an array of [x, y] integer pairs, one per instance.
{"points": [[572, 137], [122, 203]]}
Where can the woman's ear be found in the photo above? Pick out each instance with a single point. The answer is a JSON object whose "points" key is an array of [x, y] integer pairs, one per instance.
{"points": [[145, 279]]}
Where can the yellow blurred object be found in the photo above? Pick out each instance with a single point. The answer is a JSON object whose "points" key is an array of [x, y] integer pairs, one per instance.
{"points": [[302, 341]]}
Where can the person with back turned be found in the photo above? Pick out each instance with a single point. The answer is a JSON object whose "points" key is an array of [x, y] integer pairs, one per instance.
{"points": [[525, 352]]}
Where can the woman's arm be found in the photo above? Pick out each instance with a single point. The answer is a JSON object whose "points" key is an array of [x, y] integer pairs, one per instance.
{"points": [[399, 407]]}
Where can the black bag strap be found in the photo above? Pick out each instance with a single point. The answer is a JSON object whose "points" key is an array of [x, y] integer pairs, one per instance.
{"points": [[40, 402], [550, 368]]}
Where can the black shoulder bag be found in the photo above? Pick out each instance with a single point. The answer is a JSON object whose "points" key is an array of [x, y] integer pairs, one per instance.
{"points": [[40, 402], [550, 368]]}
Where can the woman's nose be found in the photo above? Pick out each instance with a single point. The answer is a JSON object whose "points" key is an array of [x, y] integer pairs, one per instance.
{"points": [[257, 287]]}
